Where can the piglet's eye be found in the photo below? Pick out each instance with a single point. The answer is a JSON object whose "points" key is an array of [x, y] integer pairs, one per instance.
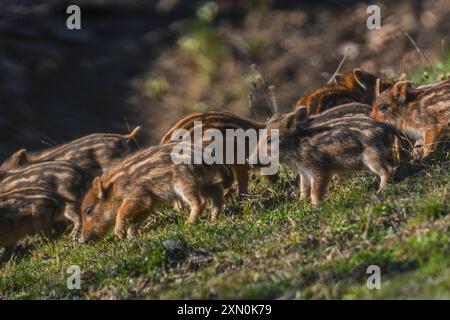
{"points": [[383, 107], [269, 140], [88, 210]]}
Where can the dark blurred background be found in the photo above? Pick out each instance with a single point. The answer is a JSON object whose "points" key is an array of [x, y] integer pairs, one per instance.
{"points": [[150, 61]]}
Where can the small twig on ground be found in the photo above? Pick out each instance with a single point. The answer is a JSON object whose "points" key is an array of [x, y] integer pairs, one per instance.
{"points": [[262, 100], [418, 50], [339, 66]]}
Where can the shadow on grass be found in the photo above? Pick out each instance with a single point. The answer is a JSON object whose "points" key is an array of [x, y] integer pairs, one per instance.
{"points": [[24, 249]]}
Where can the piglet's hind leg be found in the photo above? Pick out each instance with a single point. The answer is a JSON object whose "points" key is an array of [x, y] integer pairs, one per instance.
{"points": [[215, 192]]}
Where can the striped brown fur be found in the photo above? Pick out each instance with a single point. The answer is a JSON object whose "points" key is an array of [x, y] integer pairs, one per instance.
{"points": [[348, 110], [94, 152], [28, 211], [355, 86], [211, 120], [220, 121], [317, 151], [127, 193], [62, 177], [352, 110], [423, 115]]}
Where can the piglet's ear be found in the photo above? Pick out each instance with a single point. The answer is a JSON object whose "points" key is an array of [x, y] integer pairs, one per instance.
{"points": [[20, 157], [301, 114], [400, 91], [359, 78], [98, 188], [288, 121]]}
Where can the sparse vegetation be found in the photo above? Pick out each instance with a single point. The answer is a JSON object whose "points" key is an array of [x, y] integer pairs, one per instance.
{"points": [[268, 245]]}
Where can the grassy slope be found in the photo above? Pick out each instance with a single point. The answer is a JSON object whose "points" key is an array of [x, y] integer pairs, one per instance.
{"points": [[268, 246]]}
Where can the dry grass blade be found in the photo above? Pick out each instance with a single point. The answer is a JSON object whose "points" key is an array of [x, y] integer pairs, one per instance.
{"points": [[418, 49], [339, 66], [273, 99], [262, 100]]}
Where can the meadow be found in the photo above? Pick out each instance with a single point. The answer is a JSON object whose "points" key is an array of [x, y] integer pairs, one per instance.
{"points": [[267, 245]]}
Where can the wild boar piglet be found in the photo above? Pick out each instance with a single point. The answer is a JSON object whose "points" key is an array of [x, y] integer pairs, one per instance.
{"points": [[94, 152], [317, 152], [62, 177], [128, 193], [423, 115], [224, 122], [28, 211]]}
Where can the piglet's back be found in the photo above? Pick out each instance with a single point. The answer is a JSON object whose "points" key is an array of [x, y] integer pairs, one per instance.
{"points": [[211, 120], [140, 163], [437, 100], [93, 152], [63, 177], [349, 110]]}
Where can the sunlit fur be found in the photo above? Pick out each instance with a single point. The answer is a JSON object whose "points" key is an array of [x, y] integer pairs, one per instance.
{"points": [[221, 121], [423, 114], [93, 152], [318, 150], [355, 86], [129, 192]]}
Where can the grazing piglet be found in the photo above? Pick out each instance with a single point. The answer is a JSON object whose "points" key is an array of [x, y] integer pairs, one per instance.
{"points": [[223, 121], [350, 110], [28, 211], [422, 115], [320, 151], [355, 86], [94, 152], [62, 177], [129, 192]]}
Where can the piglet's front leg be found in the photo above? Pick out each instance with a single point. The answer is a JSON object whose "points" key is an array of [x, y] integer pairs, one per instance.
{"points": [[319, 185], [431, 137], [127, 213], [305, 186], [417, 150]]}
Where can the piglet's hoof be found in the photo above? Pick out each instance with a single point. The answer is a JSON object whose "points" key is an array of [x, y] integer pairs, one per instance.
{"points": [[132, 232], [75, 235], [417, 152], [120, 233], [229, 193]]}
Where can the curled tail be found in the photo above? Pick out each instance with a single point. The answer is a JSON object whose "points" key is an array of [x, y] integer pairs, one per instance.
{"points": [[133, 133]]}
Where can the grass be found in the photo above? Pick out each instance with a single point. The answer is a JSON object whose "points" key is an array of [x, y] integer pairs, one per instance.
{"points": [[269, 245]]}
